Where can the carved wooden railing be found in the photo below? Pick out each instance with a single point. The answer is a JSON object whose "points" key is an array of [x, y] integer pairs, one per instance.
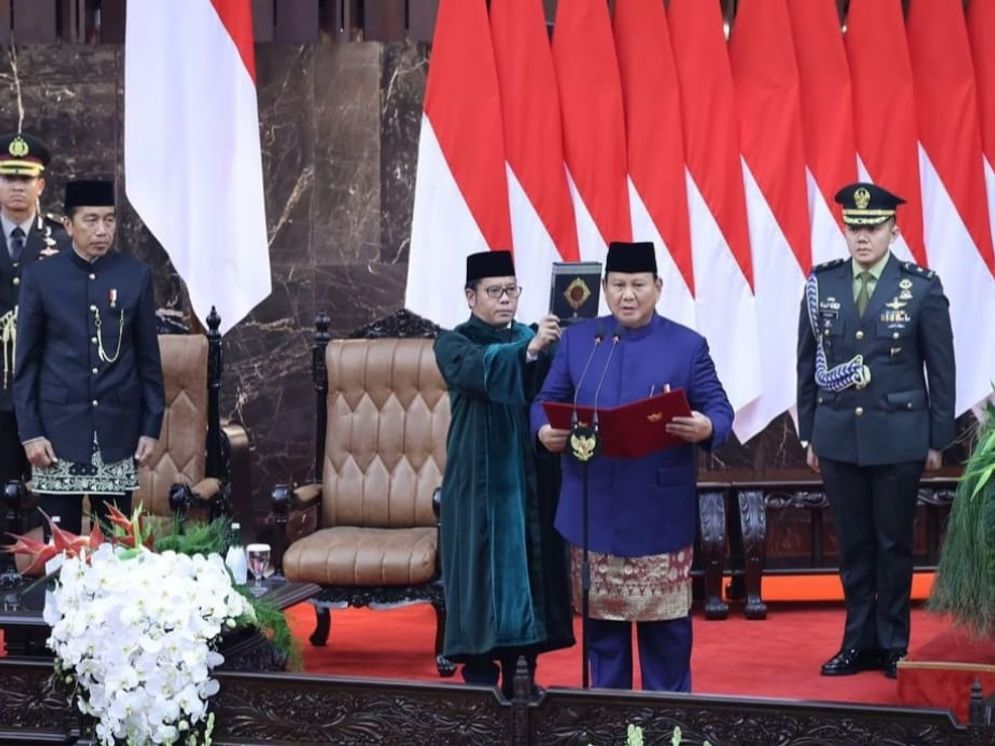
{"points": [[296, 709]]}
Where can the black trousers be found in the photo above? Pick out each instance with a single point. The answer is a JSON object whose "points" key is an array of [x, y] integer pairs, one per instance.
{"points": [[69, 508], [874, 508], [485, 670], [13, 462]]}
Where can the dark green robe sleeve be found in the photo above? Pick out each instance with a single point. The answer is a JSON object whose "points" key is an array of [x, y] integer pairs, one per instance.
{"points": [[495, 372]]}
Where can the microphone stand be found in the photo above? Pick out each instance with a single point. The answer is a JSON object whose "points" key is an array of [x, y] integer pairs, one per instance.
{"points": [[585, 444]]}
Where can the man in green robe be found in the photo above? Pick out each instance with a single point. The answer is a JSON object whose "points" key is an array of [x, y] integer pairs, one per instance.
{"points": [[499, 557]]}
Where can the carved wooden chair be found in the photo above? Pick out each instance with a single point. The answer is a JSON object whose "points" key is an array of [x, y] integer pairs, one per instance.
{"points": [[200, 465], [371, 538]]}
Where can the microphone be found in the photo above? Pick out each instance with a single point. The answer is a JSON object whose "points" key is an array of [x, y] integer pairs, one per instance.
{"points": [[616, 338], [598, 338]]}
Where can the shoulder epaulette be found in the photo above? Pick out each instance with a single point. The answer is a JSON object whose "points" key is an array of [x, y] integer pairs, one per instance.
{"points": [[53, 218], [914, 269], [828, 265]]}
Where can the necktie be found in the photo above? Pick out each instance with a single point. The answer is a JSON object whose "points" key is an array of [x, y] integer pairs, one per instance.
{"points": [[16, 243], [863, 294]]}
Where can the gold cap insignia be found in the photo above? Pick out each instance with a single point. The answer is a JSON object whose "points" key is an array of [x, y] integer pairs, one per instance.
{"points": [[861, 198], [18, 147], [577, 293]]}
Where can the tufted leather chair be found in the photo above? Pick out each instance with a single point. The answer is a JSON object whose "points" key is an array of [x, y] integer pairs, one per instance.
{"points": [[199, 462], [382, 424]]}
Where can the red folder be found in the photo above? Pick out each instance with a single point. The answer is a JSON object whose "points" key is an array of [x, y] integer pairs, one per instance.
{"points": [[631, 430]]}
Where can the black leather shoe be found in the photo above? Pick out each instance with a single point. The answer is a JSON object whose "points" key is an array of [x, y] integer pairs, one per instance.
{"points": [[850, 661], [891, 660]]}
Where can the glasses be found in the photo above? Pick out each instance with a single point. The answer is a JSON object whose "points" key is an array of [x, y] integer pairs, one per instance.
{"points": [[495, 291]]}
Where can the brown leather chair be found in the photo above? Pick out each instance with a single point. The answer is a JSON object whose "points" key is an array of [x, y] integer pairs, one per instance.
{"points": [[372, 539], [199, 462]]}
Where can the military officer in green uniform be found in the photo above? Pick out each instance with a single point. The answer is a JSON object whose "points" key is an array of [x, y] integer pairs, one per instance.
{"points": [[26, 235], [88, 386], [876, 406]]}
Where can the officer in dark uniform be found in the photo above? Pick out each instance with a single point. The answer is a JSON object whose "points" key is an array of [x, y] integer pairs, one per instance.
{"points": [[874, 332], [88, 385], [25, 236]]}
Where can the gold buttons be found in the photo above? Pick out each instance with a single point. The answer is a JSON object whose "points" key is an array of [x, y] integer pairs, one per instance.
{"points": [[93, 276], [93, 340], [858, 411], [93, 308], [95, 371], [17, 280], [860, 335], [94, 402], [820, 400], [908, 405], [894, 335]]}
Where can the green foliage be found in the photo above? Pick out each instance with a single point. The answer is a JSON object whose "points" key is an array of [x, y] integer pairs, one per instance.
{"points": [[197, 538], [965, 581]]}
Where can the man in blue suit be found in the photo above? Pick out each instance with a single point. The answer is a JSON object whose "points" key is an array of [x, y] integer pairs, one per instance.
{"points": [[88, 385], [643, 510]]}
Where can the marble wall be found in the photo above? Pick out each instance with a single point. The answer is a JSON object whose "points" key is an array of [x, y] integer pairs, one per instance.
{"points": [[339, 127]]}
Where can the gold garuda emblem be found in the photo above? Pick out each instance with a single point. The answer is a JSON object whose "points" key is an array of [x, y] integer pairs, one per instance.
{"points": [[18, 147], [862, 198], [583, 447], [577, 293]]}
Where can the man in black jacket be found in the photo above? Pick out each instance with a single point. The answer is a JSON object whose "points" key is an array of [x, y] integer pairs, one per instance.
{"points": [[26, 235], [88, 380], [873, 331]]}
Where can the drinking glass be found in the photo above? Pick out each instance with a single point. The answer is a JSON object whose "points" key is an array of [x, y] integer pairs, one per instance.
{"points": [[258, 558]]}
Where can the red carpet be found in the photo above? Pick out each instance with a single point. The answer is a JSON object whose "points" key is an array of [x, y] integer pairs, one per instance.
{"points": [[779, 657]]}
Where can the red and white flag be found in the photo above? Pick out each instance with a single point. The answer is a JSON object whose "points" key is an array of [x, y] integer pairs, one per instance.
{"points": [[720, 241], [593, 124], [956, 218], [765, 74], [192, 162], [885, 112], [461, 187], [981, 31], [655, 141], [542, 217], [826, 96]]}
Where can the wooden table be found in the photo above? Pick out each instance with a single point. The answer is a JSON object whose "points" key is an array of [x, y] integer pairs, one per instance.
{"points": [[25, 632]]}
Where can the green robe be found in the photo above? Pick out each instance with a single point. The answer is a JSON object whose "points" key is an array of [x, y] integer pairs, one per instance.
{"points": [[492, 539]]}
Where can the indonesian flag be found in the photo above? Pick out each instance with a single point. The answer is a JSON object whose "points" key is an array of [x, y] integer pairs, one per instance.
{"points": [[762, 56], [192, 162], [957, 221], [826, 97], [593, 124], [461, 187], [720, 241], [885, 112], [655, 140], [981, 31], [542, 217]]}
